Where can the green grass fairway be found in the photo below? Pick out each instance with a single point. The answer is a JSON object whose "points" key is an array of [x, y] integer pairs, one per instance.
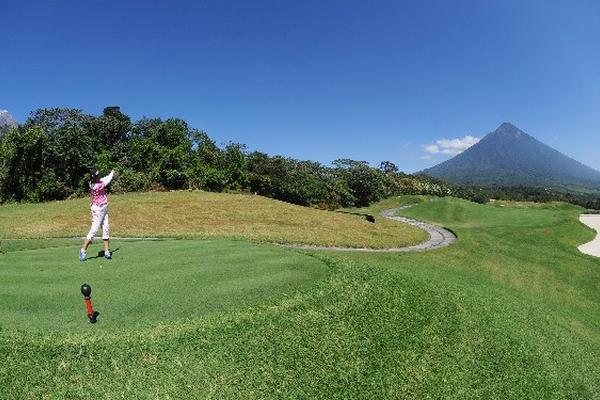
{"points": [[509, 311], [147, 283]]}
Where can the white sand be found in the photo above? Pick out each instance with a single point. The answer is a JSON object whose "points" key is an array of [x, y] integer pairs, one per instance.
{"points": [[593, 221]]}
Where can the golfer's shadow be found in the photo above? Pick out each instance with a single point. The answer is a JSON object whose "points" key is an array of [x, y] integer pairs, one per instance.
{"points": [[101, 254]]}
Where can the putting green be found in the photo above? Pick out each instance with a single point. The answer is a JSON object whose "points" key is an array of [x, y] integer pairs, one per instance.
{"points": [[147, 282]]}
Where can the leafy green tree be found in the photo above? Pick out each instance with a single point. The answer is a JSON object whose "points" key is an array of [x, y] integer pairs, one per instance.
{"points": [[208, 166], [388, 168], [366, 184], [53, 120], [172, 153], [71, 146], [300, 182], [162, 150], [235, 166], [28, 173], [142, 150], [131, 180], [111, 128], [259, 180]]}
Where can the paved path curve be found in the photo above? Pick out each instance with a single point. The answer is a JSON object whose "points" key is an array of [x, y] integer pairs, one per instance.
{"points": [[593, 221], [438, 237]]}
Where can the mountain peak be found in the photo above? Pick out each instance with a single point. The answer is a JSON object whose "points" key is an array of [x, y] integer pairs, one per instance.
{"points": [[507, 126], [510, 157], [6, 119], [508, 130]]}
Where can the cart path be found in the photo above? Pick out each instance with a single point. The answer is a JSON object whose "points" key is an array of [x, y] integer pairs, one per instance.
{"points": [[438, 237], [593, 221]]}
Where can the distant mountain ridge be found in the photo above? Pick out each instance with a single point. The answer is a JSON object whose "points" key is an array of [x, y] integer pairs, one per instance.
{"points": [[7, 120], [510, 157]]}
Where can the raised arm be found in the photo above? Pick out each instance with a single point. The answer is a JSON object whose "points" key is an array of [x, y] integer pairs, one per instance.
{"points": [[106, 180]]}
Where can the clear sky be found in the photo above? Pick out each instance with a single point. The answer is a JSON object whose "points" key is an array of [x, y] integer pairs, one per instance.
{"points": [[320, 80]]}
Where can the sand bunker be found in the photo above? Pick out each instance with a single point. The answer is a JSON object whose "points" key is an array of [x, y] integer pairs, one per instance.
{"points": [[593, 221]]}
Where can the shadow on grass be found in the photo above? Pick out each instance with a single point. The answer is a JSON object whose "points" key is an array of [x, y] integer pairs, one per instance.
{"points": [[101, 254]]}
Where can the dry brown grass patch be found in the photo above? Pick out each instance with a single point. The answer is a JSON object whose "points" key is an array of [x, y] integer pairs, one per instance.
{"points": [[203, 214]]}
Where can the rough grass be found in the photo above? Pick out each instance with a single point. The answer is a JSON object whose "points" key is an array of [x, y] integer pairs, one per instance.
{"points": [[510, 311], [203, 215]]}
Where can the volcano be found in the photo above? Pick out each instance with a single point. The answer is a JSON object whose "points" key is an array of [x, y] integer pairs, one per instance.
{"points": [[510, 157]]}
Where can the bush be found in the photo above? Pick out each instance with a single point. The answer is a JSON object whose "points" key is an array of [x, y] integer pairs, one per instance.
{"points": [[131, 181]]}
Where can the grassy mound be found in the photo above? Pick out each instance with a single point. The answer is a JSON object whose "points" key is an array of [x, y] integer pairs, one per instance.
{"points": [[510, 311], [201, 214]]}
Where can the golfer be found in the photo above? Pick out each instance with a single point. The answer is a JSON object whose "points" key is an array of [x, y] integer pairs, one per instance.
{"points": [[99, 213]]}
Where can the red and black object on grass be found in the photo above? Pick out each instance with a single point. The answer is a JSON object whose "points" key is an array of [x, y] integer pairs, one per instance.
{"points": [[86, 291]]}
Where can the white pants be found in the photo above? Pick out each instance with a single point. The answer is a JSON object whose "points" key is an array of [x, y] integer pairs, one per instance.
{"points": [[99, 217]]}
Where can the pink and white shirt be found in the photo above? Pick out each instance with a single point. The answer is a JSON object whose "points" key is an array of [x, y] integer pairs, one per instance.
{"points": [[98, 190]]}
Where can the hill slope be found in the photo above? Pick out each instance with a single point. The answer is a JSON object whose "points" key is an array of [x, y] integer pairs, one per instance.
{"points": [[205, 214], [510, 157]]}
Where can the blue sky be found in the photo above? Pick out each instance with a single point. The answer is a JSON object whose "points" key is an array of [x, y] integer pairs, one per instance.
{"points": [[319, 80]]}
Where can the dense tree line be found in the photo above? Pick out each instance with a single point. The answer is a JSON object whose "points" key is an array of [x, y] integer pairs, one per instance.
{"points": [[50, 156]]}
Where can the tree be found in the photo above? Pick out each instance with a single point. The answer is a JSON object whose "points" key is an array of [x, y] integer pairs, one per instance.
{"points": [[235, 165], [71, 147], [388, 168], [111, 129], [365, 183], [53, 120], [208, 164], [27, 170], [173, 152]]}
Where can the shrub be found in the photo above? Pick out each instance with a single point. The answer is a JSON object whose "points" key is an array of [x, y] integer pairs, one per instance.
{"points": [[130, 180]]}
